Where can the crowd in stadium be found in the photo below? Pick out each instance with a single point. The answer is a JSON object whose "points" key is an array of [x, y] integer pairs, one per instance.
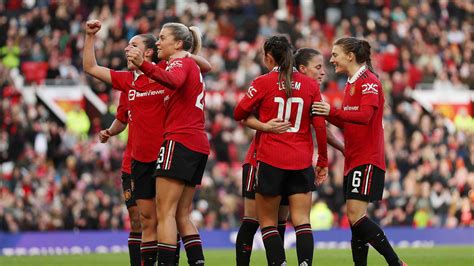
{"points": [[56, 177]]}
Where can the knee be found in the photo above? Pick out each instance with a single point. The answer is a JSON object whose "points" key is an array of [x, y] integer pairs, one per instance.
{"points": [[147, 220], [299, 220], [135, 225]]}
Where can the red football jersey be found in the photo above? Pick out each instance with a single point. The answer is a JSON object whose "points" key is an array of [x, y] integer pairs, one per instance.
{"points": [[146, 104], [251, 157], [364, 144], [122, 116], [185, 106], [292, 150]]}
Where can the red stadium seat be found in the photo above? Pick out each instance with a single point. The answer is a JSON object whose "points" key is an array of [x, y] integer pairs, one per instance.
{"points": [[34, 72]]}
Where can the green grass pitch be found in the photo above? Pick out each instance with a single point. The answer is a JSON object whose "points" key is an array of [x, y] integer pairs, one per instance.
{"points": [[446, 256]]}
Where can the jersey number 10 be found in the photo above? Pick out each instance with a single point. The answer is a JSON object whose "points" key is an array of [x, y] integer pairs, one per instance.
{"points": [[284, 111]]}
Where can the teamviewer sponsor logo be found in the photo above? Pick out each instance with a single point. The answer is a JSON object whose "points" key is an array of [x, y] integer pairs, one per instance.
{"points": [[351, 108], [370, 88], [132, 94]]}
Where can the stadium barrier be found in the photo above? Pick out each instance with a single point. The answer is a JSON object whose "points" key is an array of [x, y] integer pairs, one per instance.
{"points": [[60, 243]]}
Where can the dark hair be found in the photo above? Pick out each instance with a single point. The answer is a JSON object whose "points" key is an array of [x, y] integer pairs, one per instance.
{"points": [[150, 43], [191, 36], [360, 48], [304, 55], [280, 48]]}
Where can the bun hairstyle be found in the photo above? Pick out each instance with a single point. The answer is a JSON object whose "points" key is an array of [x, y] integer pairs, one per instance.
{"points": [[191, 37], [304, 55], [280, 49], [150, 43], [360, 48]]}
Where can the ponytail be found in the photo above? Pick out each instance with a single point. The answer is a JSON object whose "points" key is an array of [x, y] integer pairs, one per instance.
{"points": [[197, 40], [360, 48], [280, 48]]}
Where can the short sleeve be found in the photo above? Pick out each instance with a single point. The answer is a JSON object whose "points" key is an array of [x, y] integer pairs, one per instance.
{"points": [[122, 109], [370, 91], [119, 79], [253, 97]]}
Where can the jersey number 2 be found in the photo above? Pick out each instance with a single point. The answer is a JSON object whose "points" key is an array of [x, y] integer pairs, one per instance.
{"points": [[284, 111], [200, 97]]}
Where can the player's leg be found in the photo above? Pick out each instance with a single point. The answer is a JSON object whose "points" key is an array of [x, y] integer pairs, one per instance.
{"points": [[299, 186], [179, 173], [283, 212], [268, 197], [135, 236], [168, 193], [145, 194], [249, 226], [188, 231], [365, 184]]}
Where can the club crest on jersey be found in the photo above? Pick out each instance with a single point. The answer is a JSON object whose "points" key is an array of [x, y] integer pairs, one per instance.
{"points": [[251, 91], [127, 194], [352, 90], [370, 88]]}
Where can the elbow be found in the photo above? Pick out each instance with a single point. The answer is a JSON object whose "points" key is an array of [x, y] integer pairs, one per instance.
{"points": [[240, 114]]}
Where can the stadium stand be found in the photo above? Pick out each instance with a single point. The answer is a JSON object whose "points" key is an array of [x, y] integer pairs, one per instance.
{"points": [[53, 179]]}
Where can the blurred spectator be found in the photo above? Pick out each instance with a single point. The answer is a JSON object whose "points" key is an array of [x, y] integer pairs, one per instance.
{"points": [[53, 177]]}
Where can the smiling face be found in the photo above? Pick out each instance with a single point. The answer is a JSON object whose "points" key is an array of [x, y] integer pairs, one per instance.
{"points": [[340, 59], [136, 41], [166, 44], [314, 69]]}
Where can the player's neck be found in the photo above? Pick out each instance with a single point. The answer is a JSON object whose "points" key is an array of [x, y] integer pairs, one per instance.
{"points": [[353, 69]]}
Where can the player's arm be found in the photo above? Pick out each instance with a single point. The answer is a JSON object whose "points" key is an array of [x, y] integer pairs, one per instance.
{"points": [[319, 125], [361, 117], [115, 128], [203, 64], [276, 125], [247, 104], [89, 62], [333, 141]]}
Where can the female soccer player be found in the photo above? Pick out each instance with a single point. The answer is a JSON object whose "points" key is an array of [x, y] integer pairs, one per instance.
{"points": [[285, 160], [183, 155], [117, 126], [147, 112], [310, 63], [364, 168]]}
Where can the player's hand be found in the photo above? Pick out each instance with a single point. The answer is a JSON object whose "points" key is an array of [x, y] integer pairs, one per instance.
{"points": [[92, 26], [104, 135], [135, 56], [277, 125], [321, 175], [320, 108]]}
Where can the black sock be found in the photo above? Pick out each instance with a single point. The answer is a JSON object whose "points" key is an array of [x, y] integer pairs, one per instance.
{"points": [[368, 231], [148, 252], [244, 242], [360, 250], [134, 242], [304, 244], [178, 247], [166, 254], [192, 245], [281, 230], [273, 246]]}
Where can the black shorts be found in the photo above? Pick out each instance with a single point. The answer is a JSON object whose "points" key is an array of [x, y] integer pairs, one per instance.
{"points": [[248, 184], [365, 182], [178, 162], [128, 188], [144, 179], [274, 181]]}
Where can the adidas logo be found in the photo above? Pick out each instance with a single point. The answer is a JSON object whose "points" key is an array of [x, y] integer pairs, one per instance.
{"points": [[354, 190]]}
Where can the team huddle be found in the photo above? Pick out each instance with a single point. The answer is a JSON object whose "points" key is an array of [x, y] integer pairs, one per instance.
{"points": [[162, 101]]}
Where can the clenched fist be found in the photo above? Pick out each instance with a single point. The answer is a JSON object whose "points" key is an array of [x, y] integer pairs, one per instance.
{"points": [[93, 26]]}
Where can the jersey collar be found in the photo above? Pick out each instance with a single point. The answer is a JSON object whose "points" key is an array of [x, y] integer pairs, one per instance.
{"points": [[357, 74], [277, 69]]}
